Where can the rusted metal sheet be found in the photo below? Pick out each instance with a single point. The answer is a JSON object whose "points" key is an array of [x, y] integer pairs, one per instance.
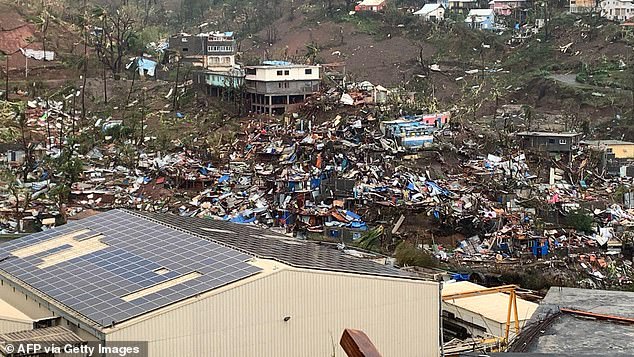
{"points": [[357, 344], [598, 316]]}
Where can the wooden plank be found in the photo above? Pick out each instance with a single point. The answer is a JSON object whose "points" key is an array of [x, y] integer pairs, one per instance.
{"points": [[485, 291], [357, 344], [598, 316]]}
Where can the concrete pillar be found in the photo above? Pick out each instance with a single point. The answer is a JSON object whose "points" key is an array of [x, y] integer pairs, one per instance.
{"points": [[270, 105]]}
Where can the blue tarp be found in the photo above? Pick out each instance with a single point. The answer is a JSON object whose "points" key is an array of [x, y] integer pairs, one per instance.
{"points": [[144, 66], [437, 189], [359, 225], [224, 178], [276, 63], [353, 215], [460, 277], [147, 65], [242, 220], [315, 183]]}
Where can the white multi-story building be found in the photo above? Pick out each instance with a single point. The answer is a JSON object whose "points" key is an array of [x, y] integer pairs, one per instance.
{"points": [[617, 10], [276, 85]]}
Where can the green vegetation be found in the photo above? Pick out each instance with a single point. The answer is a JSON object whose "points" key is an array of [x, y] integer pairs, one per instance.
{"points": [[580, 221], [608, 73], [407, 254]]}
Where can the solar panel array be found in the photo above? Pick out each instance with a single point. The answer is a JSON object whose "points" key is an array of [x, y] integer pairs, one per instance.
{"points": [[270, 245], [94, 284]]}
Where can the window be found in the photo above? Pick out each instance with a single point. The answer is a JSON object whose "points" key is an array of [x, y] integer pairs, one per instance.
{"points": [[551, 141], [562, 141], [279, 73], [251, 71], [185, 49], [287, 72], [219, 48], [308, 71]]}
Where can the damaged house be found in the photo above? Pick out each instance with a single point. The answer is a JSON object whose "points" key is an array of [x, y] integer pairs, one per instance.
{"points": [[548, 141], [214, 53]]}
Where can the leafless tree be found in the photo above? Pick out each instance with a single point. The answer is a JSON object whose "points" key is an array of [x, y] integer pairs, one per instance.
{"points": [[113, 41]]}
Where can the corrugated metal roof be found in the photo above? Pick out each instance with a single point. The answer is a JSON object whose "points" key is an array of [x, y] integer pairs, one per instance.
{"points": [[491, 306], [55, 334]]}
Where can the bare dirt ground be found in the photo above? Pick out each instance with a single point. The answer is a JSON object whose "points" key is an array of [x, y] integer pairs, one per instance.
{"points": [[17, 31], [386, 61]]}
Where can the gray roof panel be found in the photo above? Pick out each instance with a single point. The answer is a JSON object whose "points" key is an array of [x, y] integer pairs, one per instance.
{"points": [[263, 243], [95, 283]]}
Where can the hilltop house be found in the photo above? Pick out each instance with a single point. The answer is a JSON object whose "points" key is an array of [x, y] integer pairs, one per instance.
{"points": [[617, 10], [371, 5], [432, 12], [506, 7], [483, 19], [214, 54], [191, 48], [462, 6], [212, 50], [274, 86], [582, 6]]}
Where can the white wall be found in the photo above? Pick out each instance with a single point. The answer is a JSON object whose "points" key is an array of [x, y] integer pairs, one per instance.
{"points": [[492, 327], [294, 73], [400, 316]]}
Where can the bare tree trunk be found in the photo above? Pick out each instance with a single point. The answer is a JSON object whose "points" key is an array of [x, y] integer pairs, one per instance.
{"points": [[178, 66], [83, 88], [6, 80], [73, 112], [142, 118], [136, 69], [105, 86]]}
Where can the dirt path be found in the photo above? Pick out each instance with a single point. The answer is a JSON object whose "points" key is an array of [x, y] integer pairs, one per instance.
{"points": [[571, 80]]}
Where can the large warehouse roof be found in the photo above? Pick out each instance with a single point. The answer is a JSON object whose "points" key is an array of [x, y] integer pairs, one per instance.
{"points": [[118, 265], [115, 265], [266, 244]]}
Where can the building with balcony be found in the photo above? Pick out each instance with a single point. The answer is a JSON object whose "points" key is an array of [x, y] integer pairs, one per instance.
{"points": [[275, 86]]}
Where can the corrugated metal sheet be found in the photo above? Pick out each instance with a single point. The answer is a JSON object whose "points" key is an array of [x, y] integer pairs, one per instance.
{"points": [[400, 316], [7, 326]]}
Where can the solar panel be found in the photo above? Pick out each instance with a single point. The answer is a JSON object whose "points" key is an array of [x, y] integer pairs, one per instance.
{"points": [[94, 284], [263, 244]]}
